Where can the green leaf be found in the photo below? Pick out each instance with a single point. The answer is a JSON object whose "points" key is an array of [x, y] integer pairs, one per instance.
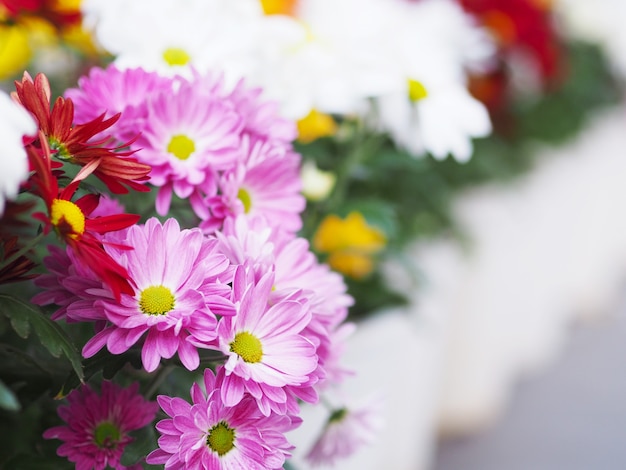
{"points": [[24, 316], [145, 441], [8, 400], [38, 462], [108, 364]]}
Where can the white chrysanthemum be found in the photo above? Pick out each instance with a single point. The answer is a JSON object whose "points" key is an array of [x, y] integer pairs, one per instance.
{"points": [[170, 36], [431, 109], [330, 58], [15, 122]]}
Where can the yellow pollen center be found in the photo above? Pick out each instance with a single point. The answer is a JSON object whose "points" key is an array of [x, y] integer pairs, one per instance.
{"points": [[221, 438], [181, 146], [67, 218], [246, 200], [417, 90], [156, 300], [176, 56], [248, 347]]}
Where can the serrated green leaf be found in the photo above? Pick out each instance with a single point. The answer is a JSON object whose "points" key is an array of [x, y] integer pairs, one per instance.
{"points": [[8, 400], [56, 341]]}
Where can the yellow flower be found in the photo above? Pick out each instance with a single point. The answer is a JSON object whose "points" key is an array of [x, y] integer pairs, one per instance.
{"points": [[351, 244], [79, 38], [15, 50], [279, 7], [315, 125]]}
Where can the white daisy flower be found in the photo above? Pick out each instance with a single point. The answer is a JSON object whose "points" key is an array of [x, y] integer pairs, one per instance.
{"points": [[330, 57], [15, 122], [430, 109], [170, 36]]}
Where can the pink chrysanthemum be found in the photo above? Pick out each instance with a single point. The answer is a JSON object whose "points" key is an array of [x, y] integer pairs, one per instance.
{"points": [[263, 341], [180, 285], [97, 426], [113, 91], [266, 184], [211, 436], [66, 284], [262, 120], [346, 430], [264, 249], [189, 134]]}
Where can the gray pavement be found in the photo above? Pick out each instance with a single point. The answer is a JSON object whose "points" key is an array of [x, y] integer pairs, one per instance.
{"points": [[570, 416]]}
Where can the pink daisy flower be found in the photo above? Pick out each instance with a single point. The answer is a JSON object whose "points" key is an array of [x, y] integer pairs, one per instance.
{"points": [[264, 345], [346, 430], [67, 284], [180, 285], [207, 434], [298, 273], [97, 426], [113, 91], [189, 134], [262, 120], [266, 184]]}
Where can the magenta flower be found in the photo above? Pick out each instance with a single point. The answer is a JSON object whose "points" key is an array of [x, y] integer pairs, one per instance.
{"points": [[180, 285], [263, 341], [206, 434], [113, 91], [97, 426]]}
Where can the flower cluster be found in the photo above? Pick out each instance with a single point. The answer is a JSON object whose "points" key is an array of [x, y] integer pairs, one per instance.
{"points": [[236, 293]]}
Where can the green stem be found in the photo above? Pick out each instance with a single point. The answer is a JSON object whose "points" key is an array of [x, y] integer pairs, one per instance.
{"points": [[158, 379]]}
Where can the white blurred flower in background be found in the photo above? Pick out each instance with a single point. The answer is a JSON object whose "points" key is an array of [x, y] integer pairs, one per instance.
{"points": [[15, 122], [431, 109], [170, 36], [601, 21]]}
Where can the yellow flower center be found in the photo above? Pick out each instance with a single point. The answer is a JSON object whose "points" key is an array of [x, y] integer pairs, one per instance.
{"points": [[67, 218], [176, 56], [221, 438], [248, 347], [246, 200], [156, 300], [181, 146], [107, 435], [315, 125], [417, 90]]}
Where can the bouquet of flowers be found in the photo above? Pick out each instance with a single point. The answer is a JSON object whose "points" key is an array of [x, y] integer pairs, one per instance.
{"points": [[178, 197]]}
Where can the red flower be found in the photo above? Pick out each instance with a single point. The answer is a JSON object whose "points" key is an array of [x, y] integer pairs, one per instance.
{"points": [[524, 25], [54, 11], [17, 269], [71, 221], [73, 144]]}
